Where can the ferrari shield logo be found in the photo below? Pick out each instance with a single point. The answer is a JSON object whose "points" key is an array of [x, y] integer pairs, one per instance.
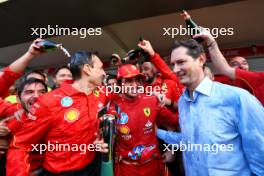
{"points": [[96, 93], [147, 112]]}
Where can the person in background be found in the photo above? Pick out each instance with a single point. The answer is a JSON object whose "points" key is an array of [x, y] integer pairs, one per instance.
{"points": [[239, 62], [8, 76], [61, 74], [67, 115], [237, 69]]}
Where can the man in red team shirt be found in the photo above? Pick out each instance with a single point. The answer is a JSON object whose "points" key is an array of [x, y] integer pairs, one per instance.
{"points": [[165, 71], [239, 62], [66, 116], [9, 111], [238, 68], [137, 147], [28, 91], [171, 89]]}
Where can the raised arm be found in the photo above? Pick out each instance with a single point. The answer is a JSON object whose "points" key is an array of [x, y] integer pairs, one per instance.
{"points": [[10, 74], [218, 60], [158, 62]]}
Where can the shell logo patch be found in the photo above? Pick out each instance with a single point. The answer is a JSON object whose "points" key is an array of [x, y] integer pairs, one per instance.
{"points": [[66, 102], [71, 115], [96, 93], [147, 112], [124, 130]]}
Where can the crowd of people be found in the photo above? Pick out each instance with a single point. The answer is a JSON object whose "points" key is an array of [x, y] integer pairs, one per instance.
{"points": [[188, 105]]}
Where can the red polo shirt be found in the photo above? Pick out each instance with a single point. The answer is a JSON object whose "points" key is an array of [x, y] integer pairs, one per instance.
{"points": [[238, 82], [168, 74], [136, 125], [63, 116], [255, 80], [7, 79]]}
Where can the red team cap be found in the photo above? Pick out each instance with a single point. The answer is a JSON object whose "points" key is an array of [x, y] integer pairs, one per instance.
{"points": [[128, 71]]}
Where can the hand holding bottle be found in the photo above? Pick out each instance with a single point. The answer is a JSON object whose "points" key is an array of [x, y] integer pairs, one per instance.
{"points": [[206, 35], [146, 46], [34, 48], [100, 144]]}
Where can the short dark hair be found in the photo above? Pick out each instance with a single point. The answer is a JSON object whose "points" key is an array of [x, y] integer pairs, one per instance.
{"points": [[20, 87], [59, 68], [194, 48], [78, 59], [35, 71]]}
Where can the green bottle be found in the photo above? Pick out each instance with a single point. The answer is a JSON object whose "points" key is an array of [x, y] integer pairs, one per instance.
{"points": [[48, 45], [191, 26], [108, 130]]}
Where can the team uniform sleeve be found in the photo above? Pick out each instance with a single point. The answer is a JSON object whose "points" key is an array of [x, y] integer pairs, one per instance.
{"points": [[167, 117], [253, 78], [6, 109], [165, 70], [7, 79], [34, 128]]}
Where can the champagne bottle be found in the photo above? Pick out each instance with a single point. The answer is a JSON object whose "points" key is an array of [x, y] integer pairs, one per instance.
{"points": [[48, 45], [108, 130], [137, 53], [192, 27]]}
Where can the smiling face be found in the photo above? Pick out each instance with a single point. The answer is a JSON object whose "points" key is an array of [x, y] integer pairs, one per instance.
{"points": [[189, 70], [30, 93], [149, 71], [131, 86]]}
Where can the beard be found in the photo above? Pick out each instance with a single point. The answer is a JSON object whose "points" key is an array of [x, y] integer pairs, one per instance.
{"points": [[25, 107], [149, 79]]}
